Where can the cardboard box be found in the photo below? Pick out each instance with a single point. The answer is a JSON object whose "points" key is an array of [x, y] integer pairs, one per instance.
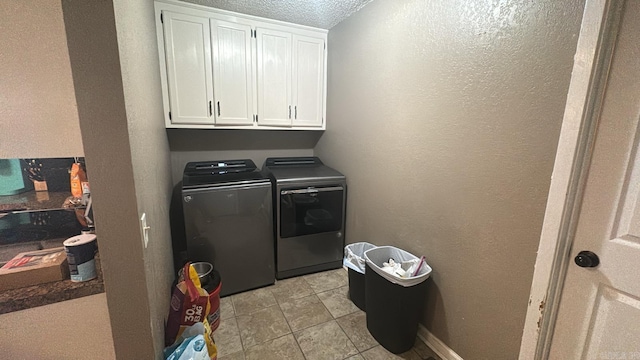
{"points": [[34, 267], [40, 185]]}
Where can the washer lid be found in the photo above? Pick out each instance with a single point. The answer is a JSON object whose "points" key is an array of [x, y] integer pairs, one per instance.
{"points": [[301, 169], [219, 171]]}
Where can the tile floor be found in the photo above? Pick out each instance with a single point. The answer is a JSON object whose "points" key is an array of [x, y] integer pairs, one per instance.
{"points": [[308, 317]]}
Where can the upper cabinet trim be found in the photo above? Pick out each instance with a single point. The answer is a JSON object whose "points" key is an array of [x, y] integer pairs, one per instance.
{"points": [[202, 10]]}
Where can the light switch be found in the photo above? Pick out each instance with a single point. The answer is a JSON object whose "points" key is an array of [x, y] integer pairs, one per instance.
{"points": [[145, 229]]}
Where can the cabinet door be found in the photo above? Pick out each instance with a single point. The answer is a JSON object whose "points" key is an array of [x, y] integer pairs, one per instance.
{"points": [[188, 57], [232, 73], [274, 77], [308, 81]]}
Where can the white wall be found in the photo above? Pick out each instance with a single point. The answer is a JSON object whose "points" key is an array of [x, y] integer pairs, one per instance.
{"points": [[37, 101], [445, 118]]}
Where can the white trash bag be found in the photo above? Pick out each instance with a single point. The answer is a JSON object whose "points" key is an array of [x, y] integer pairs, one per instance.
{"points": [[397, 265], [354, 256]]}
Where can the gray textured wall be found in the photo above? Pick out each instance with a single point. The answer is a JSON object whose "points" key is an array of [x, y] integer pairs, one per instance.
{"points": [[445, 116], [135, 26], [108, 106]]}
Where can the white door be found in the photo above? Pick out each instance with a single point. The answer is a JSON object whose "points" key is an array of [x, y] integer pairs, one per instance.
{"points": [[274, 77], [308, 80], [232, 73], [599, 312], [188, 57]]}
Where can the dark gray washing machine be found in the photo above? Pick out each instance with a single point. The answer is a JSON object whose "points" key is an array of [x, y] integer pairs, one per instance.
{"points": [[309, 213], [228, 216]]}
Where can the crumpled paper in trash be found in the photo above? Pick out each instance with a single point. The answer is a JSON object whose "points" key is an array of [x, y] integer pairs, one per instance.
{"points": [[403, 270]]}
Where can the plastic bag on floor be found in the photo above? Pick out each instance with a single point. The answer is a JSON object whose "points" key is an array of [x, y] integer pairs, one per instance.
{"points": [[193, 348], [184, 346]]}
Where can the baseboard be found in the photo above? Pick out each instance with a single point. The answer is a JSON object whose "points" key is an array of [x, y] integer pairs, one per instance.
{"points": [[438, 347]]}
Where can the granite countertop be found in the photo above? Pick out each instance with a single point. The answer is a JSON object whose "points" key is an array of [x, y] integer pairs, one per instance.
{"points": [[49, 293], [33, 201]]}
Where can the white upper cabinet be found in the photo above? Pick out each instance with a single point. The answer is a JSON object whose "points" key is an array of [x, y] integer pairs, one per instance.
{"points": [[188, 62], [308, 81], [224, 70], [274, 77], [290, 79], [232, 73]]}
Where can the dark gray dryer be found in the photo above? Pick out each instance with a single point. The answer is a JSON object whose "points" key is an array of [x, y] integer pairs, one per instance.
{"points": [[229, 222], [309, 213]]}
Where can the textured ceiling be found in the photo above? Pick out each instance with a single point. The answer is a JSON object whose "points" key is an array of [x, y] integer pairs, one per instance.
{"points": [[317, 13]]}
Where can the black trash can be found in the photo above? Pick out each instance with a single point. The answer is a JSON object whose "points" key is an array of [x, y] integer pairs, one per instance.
{"points": [[356, 289], [355, 263], [394, 304]]}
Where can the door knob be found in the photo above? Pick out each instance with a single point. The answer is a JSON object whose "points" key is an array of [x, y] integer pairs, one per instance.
{"points": [[587, 259]]}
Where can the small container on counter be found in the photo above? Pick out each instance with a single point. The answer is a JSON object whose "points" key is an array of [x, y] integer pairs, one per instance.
{"points": [[81, 252]]}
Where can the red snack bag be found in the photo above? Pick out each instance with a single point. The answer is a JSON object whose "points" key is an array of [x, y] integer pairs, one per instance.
{"points": [[189, 305]]}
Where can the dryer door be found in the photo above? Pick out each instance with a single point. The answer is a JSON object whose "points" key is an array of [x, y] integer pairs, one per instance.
{"points": [[311, 210]]}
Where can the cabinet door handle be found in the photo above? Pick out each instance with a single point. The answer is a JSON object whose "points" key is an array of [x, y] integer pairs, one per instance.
{"points": [[289, 111], [218, 108], [210, 110], [295, 109]]}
